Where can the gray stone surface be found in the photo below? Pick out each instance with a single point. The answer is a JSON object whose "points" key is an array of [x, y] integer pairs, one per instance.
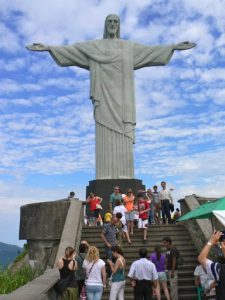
{"points": [[42, 287], [47, 225], [44, 220], [71, 230], [112, 62], [200, 229]]}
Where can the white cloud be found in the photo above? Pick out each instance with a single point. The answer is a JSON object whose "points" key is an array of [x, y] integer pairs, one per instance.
{"points": [[9, 39], [12, 65], [47, 127]]}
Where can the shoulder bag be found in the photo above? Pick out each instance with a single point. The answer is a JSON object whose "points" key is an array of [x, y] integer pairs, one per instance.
{"points": [[83, 294]]}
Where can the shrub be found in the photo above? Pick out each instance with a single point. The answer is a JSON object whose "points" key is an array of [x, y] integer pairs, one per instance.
{"points": [[10, 281], [22, 254]]}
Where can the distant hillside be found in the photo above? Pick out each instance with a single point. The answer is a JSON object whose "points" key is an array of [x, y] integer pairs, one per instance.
{"points": [[8, 253]]}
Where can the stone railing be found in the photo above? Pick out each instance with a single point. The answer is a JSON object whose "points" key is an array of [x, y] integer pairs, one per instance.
{"points": [[41, 288], [200, 229]]}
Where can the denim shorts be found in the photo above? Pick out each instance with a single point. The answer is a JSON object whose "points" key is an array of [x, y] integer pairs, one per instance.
{"points": [[162, 276], [130, 215]]}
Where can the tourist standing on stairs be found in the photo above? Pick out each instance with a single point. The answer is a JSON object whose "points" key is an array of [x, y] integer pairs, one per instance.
{"points": [[151, 213], [143, 276], [95, 274], [108, 234], [95, 208], [172, 255], [80, 272], [116, 195], [155, 197], [128, 201], [166, 199], [67, 267], [159, 260], [119, 208], [118, 274], [143, 209]]}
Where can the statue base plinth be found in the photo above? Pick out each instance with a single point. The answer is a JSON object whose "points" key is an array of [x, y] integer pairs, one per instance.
{"points": [[104, 188]]}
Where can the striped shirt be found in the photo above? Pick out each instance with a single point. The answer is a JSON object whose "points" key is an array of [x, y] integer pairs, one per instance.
{"points": [[213, 270]]}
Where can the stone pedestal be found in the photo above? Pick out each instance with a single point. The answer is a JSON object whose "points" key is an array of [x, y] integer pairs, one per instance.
{"points": [[104, 188]]}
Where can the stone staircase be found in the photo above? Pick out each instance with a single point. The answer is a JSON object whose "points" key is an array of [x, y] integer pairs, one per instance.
{"points": [[181, 239]]}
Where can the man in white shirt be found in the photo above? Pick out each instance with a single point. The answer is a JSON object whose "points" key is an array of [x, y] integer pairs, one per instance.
{"points": [[204, 280], [166, 199], [143, 276]]}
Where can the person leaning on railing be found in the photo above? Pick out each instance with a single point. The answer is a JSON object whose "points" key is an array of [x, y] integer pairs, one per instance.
{"points": [[215, 269]]}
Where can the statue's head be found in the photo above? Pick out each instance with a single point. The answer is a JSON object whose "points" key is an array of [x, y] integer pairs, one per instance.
{"points": [[112, 27]]}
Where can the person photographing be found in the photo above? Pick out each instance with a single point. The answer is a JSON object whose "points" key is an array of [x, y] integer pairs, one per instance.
{"points": [[215, 269]]}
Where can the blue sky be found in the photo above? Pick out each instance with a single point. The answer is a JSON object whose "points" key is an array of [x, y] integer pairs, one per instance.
{"points": [[47, 127]]}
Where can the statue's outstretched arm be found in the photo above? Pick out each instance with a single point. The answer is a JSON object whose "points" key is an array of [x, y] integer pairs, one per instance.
{"points": [[38, 47], [184, 46]]}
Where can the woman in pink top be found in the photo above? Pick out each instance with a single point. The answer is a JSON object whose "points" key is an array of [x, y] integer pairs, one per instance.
{"points": [[128, 201]]}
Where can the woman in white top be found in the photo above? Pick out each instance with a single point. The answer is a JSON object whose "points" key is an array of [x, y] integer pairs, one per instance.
{"points": [[95, 274]]}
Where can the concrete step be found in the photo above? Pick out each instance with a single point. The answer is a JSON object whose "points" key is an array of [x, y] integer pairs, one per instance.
{"points": [[164, 231], [183, 292], [181, 239], [149, 243], [151, 227], [129, 296]]}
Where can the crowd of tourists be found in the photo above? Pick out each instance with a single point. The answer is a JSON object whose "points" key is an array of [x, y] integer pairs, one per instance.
{"points": [[146, 208], [84, 275]]}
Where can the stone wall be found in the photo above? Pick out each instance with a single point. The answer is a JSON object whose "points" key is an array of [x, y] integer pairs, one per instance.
{"points": [[70, 217], [41, 224], [200, 229]]}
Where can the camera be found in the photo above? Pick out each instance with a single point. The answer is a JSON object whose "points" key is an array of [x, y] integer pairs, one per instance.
{"points": [[222, 237]]}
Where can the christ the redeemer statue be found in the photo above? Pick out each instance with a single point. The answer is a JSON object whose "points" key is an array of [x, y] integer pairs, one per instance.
{"points": [[111, 62]]}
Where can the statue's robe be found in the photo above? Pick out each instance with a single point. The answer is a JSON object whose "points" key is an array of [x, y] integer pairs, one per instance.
{"points": [[112, 64]]}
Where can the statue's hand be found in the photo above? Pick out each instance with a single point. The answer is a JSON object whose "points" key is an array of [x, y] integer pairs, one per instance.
{"points": [[184, 46], [37, 47]]}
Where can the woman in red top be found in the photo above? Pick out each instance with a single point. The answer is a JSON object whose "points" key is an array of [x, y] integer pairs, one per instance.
{"points": [[95, 208], [143, 208]]}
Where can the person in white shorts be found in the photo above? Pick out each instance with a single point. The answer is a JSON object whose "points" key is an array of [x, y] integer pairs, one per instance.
{"points": [[119, 208], [143, 208]]}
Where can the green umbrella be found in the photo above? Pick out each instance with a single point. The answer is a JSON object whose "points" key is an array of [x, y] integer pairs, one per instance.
{"points": [[207, 210]]}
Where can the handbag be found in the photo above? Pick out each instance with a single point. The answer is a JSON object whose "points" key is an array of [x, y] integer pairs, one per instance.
{"points": [[83, 294], [62, 284], [98, 206]]}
